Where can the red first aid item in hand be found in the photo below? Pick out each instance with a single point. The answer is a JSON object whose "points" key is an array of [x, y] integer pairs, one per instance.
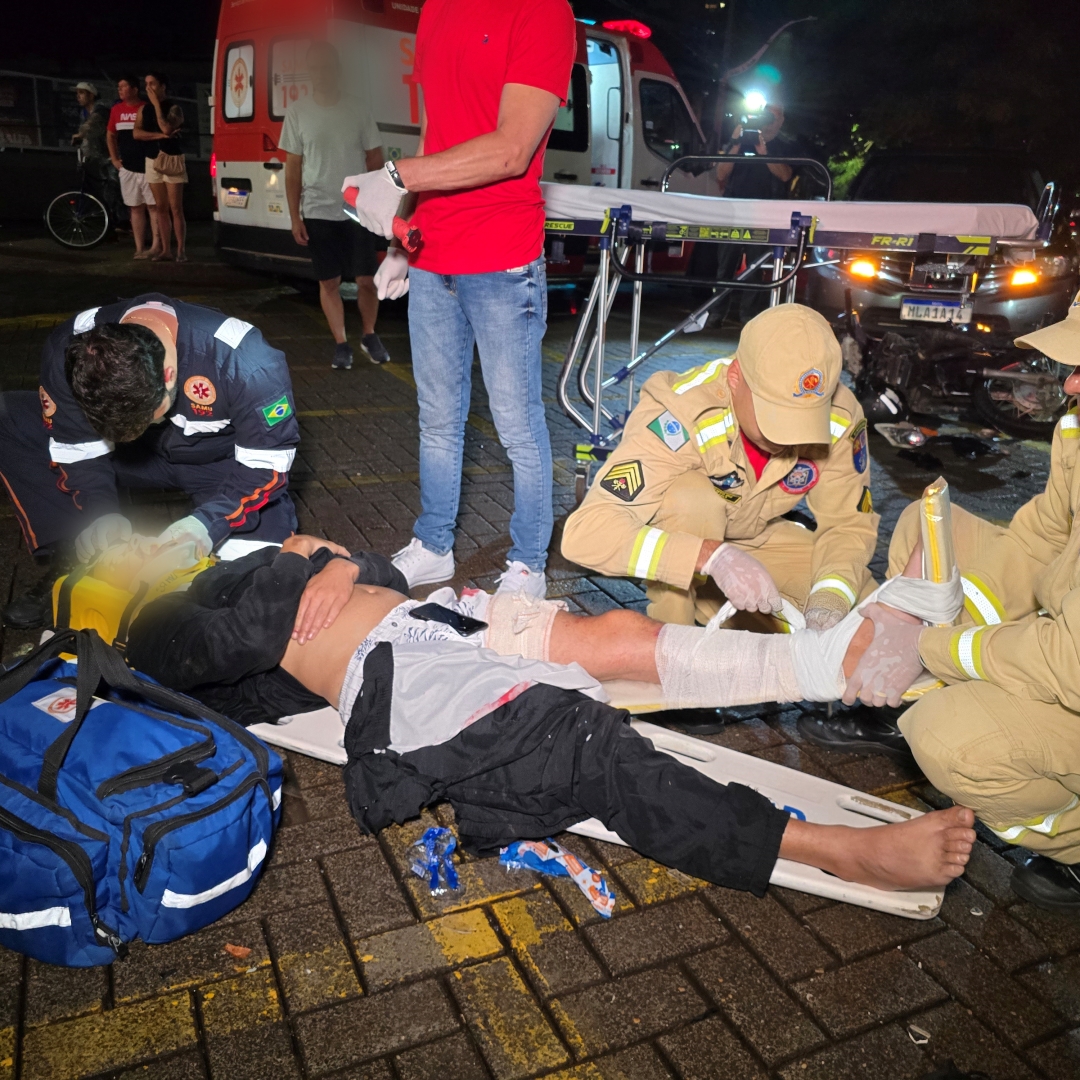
{"points": [[466, 51]]}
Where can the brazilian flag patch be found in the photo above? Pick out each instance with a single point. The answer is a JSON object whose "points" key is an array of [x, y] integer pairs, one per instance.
{"points": [[624, 481], [277, 411], [866, 502]]}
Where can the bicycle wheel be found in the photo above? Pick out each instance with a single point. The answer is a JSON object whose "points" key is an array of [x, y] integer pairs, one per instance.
{"points": [[77, 219]]}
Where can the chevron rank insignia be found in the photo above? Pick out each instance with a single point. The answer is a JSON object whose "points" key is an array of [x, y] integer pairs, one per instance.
{"points": [[866, 502], [624, 481], [669, 431]]}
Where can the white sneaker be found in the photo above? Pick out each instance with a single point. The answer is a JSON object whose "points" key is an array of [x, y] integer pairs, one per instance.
{"points": [[422, 567], [517, 577]]}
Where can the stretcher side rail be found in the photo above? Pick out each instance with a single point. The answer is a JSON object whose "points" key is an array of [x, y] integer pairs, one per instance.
{"points": [[748, 159]]}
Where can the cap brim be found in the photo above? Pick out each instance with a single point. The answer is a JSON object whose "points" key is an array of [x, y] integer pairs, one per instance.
{"points": [[1061, 342], [793, 425]]}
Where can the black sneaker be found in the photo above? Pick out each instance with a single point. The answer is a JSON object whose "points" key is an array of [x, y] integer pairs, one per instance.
{"points": [[1048, 884], [375, 349], [34, 608], [862, 730], [342, 357]]}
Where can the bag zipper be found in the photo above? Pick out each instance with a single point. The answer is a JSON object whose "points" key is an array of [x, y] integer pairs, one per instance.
{"points": [[78, 862], [154, 772], [154, 833]]}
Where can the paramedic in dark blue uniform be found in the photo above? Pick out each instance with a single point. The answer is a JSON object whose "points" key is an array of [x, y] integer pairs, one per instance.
{"points": [[148, 393]]}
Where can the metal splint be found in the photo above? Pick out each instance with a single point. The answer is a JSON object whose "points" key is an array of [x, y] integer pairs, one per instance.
{"points": [[320, 735]]}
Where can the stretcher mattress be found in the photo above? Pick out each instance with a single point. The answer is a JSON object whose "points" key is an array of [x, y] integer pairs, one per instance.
{"points": [[1000, 220], [320, 734]]}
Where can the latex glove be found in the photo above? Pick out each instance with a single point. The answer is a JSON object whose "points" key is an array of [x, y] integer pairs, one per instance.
{"points": [[189, 530], [392, 277], [825, 609], [95, 538], [377, 201], [891, 662], [743, 580]]}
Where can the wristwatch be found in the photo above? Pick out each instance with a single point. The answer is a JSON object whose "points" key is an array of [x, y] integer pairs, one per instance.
{"points": [[392, 172]]}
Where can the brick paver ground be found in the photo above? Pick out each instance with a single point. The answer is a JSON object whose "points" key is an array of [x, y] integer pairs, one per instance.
{"points": [[357, 972]]}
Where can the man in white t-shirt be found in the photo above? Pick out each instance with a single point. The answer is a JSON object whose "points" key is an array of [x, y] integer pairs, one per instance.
{"points": [[328, 135]]}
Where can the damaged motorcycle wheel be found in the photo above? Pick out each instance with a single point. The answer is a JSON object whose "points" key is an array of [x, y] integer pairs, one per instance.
{"points": [[1025, 410]]}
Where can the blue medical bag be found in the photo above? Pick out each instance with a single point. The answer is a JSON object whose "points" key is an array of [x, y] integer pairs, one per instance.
{"points": [[127, 810]]}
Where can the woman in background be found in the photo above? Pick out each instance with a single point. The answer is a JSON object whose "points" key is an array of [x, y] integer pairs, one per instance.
{"points": [[159, 124]]}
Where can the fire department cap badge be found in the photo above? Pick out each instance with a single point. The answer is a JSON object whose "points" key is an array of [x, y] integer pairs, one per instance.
{"points": [[809, 383]]}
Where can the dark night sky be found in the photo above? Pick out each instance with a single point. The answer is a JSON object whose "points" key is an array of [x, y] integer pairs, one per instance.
{"points": [[986, 72]]}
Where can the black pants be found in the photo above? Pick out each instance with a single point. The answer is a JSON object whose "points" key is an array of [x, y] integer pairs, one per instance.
{"points": [[552, 758], [50, 513]]}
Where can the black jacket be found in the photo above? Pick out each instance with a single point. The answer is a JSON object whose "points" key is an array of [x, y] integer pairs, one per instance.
{"points": [[223, 639]]}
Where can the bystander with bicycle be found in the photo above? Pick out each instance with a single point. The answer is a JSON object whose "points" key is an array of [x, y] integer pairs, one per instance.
{"points": [[129, 159]]}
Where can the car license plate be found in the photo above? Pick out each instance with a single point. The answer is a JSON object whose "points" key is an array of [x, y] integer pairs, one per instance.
{"points": [[940, 311], [238, 199]]}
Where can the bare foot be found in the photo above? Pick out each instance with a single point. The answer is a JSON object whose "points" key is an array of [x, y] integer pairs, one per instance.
{"points": [[926, 852]]}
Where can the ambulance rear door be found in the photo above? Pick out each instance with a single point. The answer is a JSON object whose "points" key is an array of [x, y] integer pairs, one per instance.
{"points": [[567, 160]]}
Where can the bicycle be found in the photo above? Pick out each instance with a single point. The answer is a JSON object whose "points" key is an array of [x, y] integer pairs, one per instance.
{"points": [[79, 219]]}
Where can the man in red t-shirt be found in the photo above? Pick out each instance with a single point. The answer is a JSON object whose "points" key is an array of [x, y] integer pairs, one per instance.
{"points": [[493, 73], [129, 158]]}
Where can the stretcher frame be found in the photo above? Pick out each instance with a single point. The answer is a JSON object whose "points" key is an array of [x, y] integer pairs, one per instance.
{"points": [[622, 240], [320, 734]]}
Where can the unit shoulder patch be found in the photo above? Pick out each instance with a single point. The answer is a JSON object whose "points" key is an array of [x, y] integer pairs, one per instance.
{"points": [[727, 482], [803, 476], [860, 448], [277, 411], [232, 332], [865, 504], [202, 394], [48, 406], [625, 480], [669, 431]]}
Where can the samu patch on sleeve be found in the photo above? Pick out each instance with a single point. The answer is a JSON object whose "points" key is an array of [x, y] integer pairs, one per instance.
{"points": [[277, 411], [860, 450], [625, 481], [866, 502], [669, 431]]}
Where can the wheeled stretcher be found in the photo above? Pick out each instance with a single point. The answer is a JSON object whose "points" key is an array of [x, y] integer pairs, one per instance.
{"points": [[785, 232]]}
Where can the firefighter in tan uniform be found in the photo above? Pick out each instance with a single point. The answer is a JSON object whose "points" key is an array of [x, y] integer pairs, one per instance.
{"points": [[1004, 737], [710, 461]]}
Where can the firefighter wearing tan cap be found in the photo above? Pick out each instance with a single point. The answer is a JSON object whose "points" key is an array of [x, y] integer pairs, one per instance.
{"points": [[713, 458], [1004, 737]]}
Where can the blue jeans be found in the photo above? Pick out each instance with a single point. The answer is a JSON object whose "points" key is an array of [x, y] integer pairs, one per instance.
{"points": [[505, 315]]}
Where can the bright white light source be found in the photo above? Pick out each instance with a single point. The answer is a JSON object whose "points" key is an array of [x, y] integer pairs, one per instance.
{"points": [[755, 101]]}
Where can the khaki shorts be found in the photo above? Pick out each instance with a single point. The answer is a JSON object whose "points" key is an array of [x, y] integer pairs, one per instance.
{"points": [[135, 189], [154, 177]]}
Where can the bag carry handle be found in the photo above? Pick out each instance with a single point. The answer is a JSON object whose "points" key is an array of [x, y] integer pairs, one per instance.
{"points": [[14, 679]]}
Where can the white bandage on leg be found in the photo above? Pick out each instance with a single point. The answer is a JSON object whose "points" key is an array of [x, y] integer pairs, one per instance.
{"points": [[712, 669], [520, 625]]}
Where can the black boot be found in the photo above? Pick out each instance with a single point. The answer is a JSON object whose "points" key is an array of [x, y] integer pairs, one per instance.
{"points": [[1048, 884], [34, 608], [860, 730]]}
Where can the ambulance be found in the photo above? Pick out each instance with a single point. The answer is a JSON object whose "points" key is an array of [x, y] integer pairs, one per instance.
{"points": [[625, 121]]}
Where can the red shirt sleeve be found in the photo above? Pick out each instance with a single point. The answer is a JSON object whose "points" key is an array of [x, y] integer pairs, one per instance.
{"points": [[112, 117], [543, 47]]}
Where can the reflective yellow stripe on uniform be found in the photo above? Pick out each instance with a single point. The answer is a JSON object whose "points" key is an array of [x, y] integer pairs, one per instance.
{"points": [[836, 584], [645, 554], [838, 425], [980, 603], [1070, 425], [714, 430], [1048, 825], [700, 375], [966, 651]]}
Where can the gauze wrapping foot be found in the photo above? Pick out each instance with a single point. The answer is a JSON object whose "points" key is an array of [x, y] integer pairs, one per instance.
{"points": [[706, 668]]}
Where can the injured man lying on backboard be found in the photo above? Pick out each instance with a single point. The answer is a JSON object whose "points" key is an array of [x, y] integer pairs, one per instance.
{"points": [[494, 704]]}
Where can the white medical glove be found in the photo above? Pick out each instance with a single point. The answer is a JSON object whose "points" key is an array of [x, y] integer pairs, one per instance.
{"points": [[188, 530], [377, 201], [743, 580], [95, 538], [392, 277], [891, 662], [825, 609]]}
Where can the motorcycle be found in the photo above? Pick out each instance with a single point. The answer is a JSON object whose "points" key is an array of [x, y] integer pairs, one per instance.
{"points": [[1018, 391]]}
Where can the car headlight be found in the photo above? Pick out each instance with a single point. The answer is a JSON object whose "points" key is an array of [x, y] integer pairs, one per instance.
{"points": [[862, 268], [1055, 266]]}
